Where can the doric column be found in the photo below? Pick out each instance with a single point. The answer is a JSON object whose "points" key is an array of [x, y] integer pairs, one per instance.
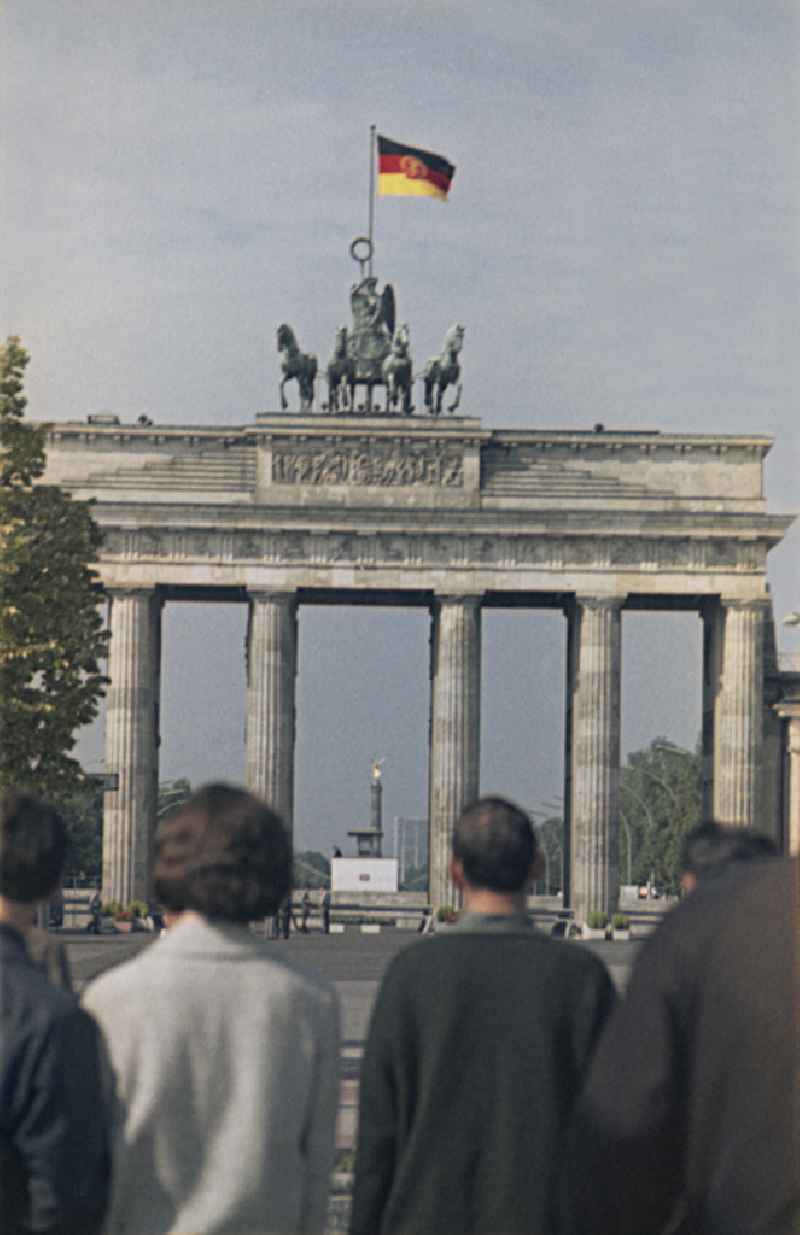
{"points": [[713, 625], [455, 730], [270, 717], [595, 753], [131, 742], [738, 723], [769, 790], [793, 794]]}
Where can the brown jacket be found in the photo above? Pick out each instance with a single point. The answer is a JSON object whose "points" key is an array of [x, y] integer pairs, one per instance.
{"points": [[693, 1096]]}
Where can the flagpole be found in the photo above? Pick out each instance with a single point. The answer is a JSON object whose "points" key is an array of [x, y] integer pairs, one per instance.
{"points": [[371, 194]]}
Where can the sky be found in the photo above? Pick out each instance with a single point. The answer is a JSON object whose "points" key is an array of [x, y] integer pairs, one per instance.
{"points": [[620, 243]]}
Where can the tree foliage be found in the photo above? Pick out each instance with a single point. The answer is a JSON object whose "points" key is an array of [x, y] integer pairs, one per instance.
{"points": [[550, 840], [661, 795], [416, 879], [51, 633], [311, 870], [82, 810], [171, 794]]}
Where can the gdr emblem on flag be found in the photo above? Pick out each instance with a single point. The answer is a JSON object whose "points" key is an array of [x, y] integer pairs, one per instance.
{"points": [[407, 171]]}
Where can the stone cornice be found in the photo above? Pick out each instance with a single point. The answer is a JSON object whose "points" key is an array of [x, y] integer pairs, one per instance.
{"points": [[694, 525], [415, 430]]}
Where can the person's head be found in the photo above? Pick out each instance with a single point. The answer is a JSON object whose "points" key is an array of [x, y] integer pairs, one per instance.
{"points": [[223, 854], [710, 849], [33, 842], [494, 847]]}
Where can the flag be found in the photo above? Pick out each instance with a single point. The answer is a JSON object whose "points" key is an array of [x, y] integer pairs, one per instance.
{"points": [[405, 171]]}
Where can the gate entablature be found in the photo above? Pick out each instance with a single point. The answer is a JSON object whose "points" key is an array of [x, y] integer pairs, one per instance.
{"points": [[371, 504]]}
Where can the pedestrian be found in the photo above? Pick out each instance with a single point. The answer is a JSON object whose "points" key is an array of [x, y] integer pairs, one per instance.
{"points": [[478, 1044], [326, 911], [710, 850], [48, 954], [692, 1111], [286, 915], [54, 1140], [94, 924], [226, 1059], [156, 916], [306, 911]]}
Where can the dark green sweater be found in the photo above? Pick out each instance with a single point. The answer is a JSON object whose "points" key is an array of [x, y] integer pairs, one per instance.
{"points": [[478, 1045]]}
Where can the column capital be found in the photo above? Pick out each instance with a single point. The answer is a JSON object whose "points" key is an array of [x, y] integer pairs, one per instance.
{"points": [[601, 602], [793, 733], [277, 597], [118, 590], [458, 598], [752, 604]]}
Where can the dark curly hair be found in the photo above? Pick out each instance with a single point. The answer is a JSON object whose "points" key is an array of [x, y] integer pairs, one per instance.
{"points": [[494, 841], [224, 854], [33, 844]]}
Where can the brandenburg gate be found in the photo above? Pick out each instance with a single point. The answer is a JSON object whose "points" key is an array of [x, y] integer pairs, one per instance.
{"points": [[437, 512]]}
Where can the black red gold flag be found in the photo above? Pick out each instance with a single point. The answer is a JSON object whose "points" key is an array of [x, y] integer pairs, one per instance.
{"points": [[407, 171]]}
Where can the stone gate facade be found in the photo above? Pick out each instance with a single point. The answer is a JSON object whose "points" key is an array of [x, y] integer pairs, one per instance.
{"points": [[443, 514]]}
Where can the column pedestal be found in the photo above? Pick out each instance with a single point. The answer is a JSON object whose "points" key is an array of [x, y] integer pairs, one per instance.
{"points": [[455, 732], [270, 719], [131, 743], [595, 754]]}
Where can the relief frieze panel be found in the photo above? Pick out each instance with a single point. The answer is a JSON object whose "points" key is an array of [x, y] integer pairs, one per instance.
{"points": [[420, 550], [376, 465]]}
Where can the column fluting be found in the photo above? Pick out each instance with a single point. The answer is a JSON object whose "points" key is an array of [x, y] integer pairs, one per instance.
{"points": [[131, 743], [455, 731], [270, 718], [793, 794], [595, 750], [738, 728]]}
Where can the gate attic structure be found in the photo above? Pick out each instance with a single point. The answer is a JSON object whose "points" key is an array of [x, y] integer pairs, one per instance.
{"points": [[443, 514]]}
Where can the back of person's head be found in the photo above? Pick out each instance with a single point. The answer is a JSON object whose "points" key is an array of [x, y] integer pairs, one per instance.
{"points": [[33, 842], [495, 844], [224, 854], [710, 849]]}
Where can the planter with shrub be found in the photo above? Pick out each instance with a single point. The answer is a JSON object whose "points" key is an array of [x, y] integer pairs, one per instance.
{"points": [[620, 926], [446, 916], [596, 925]]}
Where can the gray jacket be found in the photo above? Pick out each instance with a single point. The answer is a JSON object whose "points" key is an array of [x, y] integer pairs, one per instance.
{"points": [[226, 1065]]}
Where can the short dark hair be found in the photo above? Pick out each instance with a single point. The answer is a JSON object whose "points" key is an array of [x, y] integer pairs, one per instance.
{"points": [[223, 853], [495, 843], [711, 848], [33, 843]]}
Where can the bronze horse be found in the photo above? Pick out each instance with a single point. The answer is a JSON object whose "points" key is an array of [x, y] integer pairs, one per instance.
{"points": [[298, 366], [443, 371], [341, 374], [396, 371]]}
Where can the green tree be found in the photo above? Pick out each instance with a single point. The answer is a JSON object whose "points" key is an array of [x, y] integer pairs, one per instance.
{"points": [[311, 870], [83, 814], [51, 633], [550, 839], [172, 793], [661, 796], [416, 879]]}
